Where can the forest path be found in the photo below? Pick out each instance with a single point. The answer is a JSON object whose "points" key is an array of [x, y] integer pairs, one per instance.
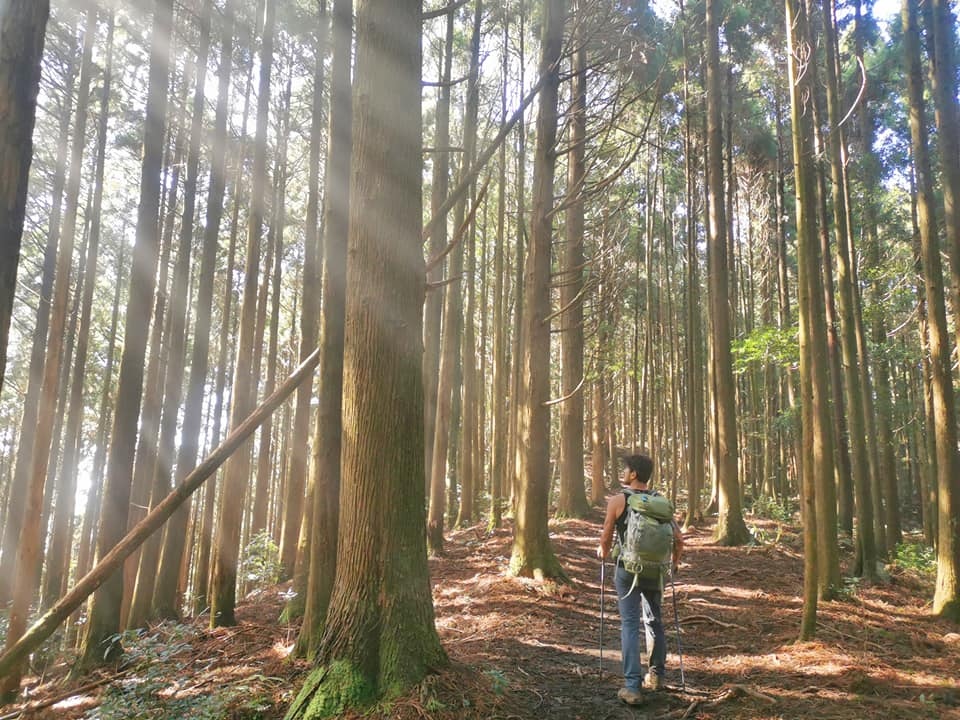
{"points": [[878, 654], [523, 650]]}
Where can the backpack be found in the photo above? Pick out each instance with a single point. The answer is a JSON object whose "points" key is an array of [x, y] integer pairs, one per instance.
{"points": [[647, 542]]}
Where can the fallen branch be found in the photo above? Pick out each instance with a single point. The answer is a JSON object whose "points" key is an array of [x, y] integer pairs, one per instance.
{"points": [[727, 692], [111, 562], [50, 702], [694, 619]]}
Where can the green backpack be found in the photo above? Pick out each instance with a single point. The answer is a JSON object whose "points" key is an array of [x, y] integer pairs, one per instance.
{"points": [[648, 539]]}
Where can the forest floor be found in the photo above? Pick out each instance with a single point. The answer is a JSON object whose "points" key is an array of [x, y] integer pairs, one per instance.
{"points": [[520, 649]]}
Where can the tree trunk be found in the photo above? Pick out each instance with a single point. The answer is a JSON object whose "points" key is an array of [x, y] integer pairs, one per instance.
{"points": [[165, 600], [532, 554], [380, 637], [731, 529], [10, 236], [29, 555], [573, 497], [433, 312], [237, 472], [470, 467], [816, 427], [499, 461], [438, 407], [323, 559], [23, 26], [946, 601], [694, 334], [138, 586], [294, 510], [58, 560], [104, 619]]}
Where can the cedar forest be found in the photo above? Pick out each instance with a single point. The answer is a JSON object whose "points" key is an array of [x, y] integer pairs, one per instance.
{"points": [[324, 325]]}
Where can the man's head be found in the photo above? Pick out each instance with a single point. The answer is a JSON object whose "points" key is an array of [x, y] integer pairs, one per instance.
{"points": [[637, 468]]}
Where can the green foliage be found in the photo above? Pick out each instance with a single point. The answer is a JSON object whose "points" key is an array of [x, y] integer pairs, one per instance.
{"points": [[156, 685], [498, 680], [773, 509], [915, 556], [766, 344], [261, 561], [849, 588]]}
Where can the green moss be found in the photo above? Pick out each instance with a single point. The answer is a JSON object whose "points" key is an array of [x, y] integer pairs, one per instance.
{"points": [[329, 691]]}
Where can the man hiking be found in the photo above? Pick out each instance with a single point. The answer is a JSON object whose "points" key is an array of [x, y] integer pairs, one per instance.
{"points": [[648, 537]]}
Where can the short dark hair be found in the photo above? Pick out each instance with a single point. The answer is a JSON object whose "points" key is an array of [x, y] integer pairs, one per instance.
{"points": [[641, 465]]}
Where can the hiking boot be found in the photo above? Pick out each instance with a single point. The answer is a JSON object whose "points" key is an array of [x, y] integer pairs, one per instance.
{"points": [[630, 697], [653, 682]]}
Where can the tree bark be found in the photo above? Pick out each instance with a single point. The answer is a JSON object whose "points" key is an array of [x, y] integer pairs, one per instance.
{"points": [[573, 498], [532, 554], [294, 509], [380, 637], [104, 620], [237, 472], [731, 530], [946, 599], [165, 600], [323, 557], [23, 26]]}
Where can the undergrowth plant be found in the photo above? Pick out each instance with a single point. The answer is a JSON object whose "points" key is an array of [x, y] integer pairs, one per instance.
{"points": [[916, 556], [261, 562], [156, 683]]}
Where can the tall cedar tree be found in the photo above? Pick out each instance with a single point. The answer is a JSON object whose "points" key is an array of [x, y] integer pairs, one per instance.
{"points": [[573, 496], [816, 427], [532, 555], [165, 602], [380, 636], [731, 530], [104, 619], [236, 477], [328, 439], [23, 25], [944, 430]]}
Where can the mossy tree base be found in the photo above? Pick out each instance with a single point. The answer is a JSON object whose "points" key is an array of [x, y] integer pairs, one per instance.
{"points": [[330, 690], [539, 566]]}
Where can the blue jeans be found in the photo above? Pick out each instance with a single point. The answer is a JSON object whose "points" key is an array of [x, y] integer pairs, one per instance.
{"points": [[641, 605]]}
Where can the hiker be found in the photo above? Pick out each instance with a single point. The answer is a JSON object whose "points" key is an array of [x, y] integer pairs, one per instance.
{"points": [[639, 594]]}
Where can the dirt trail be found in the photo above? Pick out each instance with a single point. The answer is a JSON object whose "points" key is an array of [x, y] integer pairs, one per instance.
{"points": [[878, 654], [522, 649]]}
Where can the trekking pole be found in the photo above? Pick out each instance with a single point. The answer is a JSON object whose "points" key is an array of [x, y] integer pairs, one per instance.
{"points": [[676, 620], [603, 567]]}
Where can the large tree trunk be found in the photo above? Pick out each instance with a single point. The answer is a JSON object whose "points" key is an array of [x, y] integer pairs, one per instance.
{"points": [[573, 496], [946, 600], [816, 427], [329, 448], [849, 309], [532, 555], [16, 499], [58, 558], [871, 177], [104, 620], [236, 475], [499, 465], [470, 462], [138, 587], [294, 511], [380, 637], [433, 310], [23, 25], [731, 530], [694, 331], [438, 409], [165, 601]]}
